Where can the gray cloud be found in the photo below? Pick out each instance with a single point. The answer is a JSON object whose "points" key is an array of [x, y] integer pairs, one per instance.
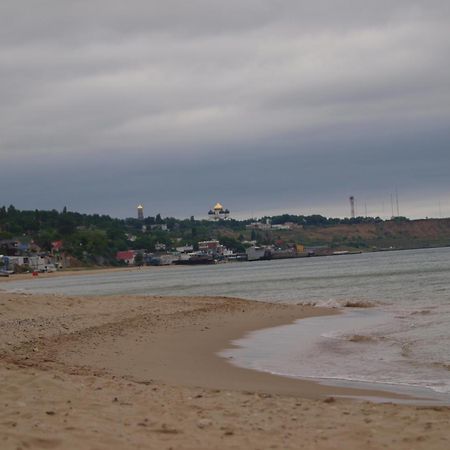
{"points": [[178, 104]]}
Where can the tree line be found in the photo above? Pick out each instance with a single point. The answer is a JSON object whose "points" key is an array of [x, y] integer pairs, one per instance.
{"points": [[88, 236]]}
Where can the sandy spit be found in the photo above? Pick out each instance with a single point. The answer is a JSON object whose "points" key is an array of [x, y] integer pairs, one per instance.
{"points": [[140, 372]]}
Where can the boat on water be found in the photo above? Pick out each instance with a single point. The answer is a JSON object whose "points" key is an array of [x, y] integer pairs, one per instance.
{"points": [[163, 260], [346, 252], [256, 253], [195, 258]]}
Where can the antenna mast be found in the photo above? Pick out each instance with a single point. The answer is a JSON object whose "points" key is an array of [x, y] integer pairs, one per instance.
{"points": [[352, 206], [396, 201]]}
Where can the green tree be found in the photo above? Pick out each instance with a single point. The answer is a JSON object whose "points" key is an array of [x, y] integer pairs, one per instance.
{"points": [[232, 244], [139, 259]]}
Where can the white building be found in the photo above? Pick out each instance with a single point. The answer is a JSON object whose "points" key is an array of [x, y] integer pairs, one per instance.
{"points": [[258, 226], [218, 212], [140, 212], [185, 249]]}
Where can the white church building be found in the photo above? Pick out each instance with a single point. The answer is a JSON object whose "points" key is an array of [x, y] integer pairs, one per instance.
{"points": [[218, 212]]}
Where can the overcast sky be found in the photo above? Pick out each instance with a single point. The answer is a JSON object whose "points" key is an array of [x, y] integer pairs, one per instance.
{"points": [[266, 106]]}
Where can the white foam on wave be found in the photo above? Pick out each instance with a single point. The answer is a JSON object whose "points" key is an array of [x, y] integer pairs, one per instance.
{"points": [[440, 387], [17, 291], [357, 346], [341, 303]]}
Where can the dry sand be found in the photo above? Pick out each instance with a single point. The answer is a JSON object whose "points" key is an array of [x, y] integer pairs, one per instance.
{"points": [[137, 372]]}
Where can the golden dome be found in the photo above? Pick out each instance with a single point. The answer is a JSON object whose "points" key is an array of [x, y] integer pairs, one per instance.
{"points": [[218, 206]]}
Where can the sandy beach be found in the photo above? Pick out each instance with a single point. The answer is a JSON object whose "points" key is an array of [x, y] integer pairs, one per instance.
{"points": [[142, 372]]}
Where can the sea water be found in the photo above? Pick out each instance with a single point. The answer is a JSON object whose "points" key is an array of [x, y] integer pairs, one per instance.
{"points": [[400, 338]]}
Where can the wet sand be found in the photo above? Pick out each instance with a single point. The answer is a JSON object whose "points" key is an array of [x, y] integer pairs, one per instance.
{"points": [[140, 372]]}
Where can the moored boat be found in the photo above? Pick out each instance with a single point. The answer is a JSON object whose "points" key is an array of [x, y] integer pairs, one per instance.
{"points": [[195, 258]]}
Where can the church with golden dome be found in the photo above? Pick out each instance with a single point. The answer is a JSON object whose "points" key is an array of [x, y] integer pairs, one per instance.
{"points": [[218, 212]]}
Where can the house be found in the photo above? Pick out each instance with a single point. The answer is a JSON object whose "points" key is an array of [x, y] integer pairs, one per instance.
{"points": [[212, 247], [126, 256], [35, 263], [185, 249], [9, 246], [160, 246], [205, 246], [18, 247], [57, 246], [279, 227], [258, 226], [159, 226]]}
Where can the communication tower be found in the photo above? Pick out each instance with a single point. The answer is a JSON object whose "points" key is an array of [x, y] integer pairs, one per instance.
{"points": [[352, 206]]}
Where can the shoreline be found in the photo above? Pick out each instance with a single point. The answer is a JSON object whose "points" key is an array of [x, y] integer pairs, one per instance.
{"points": [[171, 347], [233, 376], [142, 372], [86, 270], [172, 360], [73, 272]]}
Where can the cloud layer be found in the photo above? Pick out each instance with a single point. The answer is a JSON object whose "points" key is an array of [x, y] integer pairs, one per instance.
{"points": [[263, 105]]}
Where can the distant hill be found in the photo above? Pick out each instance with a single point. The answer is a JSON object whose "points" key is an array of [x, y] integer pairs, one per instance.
{"points": [[373, 236]]}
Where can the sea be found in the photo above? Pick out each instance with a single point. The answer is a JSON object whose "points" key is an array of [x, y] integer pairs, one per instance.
{"points": [[393, 333]]}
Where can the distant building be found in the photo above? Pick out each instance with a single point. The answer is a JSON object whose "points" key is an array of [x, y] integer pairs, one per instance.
{"points": [[39, 263], [268, 226], [218, 212], [159, 226], [9, 247], [258, 226], [57, 246], [185, 249], [18, 247], [127, 256], [281, 227], [299, 248], [159, 246], [214, 248], [140, 212], [206, 246]]}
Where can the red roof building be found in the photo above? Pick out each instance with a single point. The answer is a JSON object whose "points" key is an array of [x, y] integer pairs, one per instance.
{"points": [[127, 256], [57, 245]]}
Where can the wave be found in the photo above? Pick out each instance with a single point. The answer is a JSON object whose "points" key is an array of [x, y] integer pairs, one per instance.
{"points": [[421, 312], [19, 291], [358, 304], [361, 338], [341, 303], [442, 365], [417, 387], [406, 349]]}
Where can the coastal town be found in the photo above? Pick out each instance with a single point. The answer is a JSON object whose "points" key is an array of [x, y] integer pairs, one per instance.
{"points": [[50, 241]]}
